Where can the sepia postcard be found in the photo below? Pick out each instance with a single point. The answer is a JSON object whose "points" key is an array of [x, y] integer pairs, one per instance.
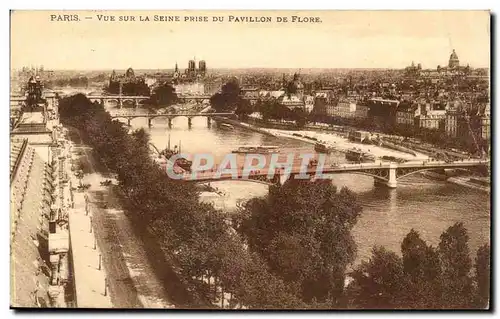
{"points": [[239, 160]]}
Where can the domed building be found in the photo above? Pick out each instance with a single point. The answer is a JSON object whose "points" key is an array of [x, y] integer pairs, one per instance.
{"points": [[454, 68], [127, 84], [293, 96], [454, 62], [295, 87], [130, 74]]}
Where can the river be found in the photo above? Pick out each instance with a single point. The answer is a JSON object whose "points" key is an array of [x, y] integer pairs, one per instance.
{"points": [[428, 206]]}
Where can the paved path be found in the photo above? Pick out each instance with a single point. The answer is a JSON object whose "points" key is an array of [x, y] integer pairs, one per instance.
{"points": [[89, 276], [132, 281]]}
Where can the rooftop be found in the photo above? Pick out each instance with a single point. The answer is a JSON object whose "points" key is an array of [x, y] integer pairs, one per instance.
{"points": [[32, 118]]}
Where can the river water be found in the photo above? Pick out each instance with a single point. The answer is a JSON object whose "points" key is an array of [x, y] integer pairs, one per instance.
{"points": [[428, 206]]}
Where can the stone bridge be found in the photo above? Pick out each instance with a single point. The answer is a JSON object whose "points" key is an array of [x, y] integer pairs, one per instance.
{"points": [[151, 116], [120, 99]]}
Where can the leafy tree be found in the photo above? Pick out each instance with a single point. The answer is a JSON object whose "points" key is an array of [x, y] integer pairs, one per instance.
{"points": [[482, 276], [378, 283], [422, 267], [299, 116], [228, 98], [302, 230], [163, 95], [456, 265], [244, 109]]}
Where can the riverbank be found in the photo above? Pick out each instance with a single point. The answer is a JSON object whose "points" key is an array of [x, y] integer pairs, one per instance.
{"points": [[468, 181], [331, 139]]}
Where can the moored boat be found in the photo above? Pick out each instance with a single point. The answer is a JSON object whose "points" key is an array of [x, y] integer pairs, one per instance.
{"points": [[322, 148], [226, 126], [259, 149], [181, 162], [357, 155]]}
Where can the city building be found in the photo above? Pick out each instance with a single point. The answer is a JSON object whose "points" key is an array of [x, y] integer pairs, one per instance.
{"points": [[293, 96], [191, 73], [453, 62], [291, 101], [128, 84], [38, 203], [382, 111], [432, 119], [485, 122], [407, 114], [454, 68], [345, 109], [251, 94], [30, 201], [270, 94], [309, 103], [328, 95], [455, 118], [413, 70], [190, 88]]}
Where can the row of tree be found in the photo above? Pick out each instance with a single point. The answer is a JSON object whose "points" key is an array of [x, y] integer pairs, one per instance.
{"points": [[424, 277], [138, 87]]}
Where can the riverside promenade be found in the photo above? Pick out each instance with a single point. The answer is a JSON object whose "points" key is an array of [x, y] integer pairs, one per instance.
{"points": [[132, 280], [89, 274]]}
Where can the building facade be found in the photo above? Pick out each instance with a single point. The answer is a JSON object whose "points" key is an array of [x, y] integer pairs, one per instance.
{"points": [[407, 114], [195, 88]]}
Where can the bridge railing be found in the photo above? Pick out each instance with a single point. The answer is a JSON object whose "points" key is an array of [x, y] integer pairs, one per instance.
{"points": [[213, 174]]}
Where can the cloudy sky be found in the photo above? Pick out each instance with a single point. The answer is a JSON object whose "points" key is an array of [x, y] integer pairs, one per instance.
{"points": [[343, 39]]}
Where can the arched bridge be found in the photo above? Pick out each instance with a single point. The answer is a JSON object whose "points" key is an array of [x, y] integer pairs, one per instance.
{"points": [[151, 116], [119, 99], [383, 172], [193, 98], [137, 99]]}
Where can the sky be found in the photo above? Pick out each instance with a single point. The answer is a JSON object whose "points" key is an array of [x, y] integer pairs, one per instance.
{"points": [[343, 39]]}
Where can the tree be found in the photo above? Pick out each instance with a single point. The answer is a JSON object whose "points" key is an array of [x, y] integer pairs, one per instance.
{"points": [[302, 230], [163, 95], [456, 264], [319, 110], [482, 277], [378, 283], [244, 109], [228, 98], [422, 267], [299, 116]]}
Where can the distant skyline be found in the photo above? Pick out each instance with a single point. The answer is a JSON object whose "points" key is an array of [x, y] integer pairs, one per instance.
{"points": [[344, 39]]}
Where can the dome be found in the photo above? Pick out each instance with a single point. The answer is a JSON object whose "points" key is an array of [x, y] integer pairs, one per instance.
{"points": [[296, 81], [454, 62], [129, 73], [453, 56]]}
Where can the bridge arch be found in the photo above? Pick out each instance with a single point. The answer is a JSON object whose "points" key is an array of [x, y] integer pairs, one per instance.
{"points": [[420, 170], [383, 175], [238, 180], [111, 100], [120, 117]]}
